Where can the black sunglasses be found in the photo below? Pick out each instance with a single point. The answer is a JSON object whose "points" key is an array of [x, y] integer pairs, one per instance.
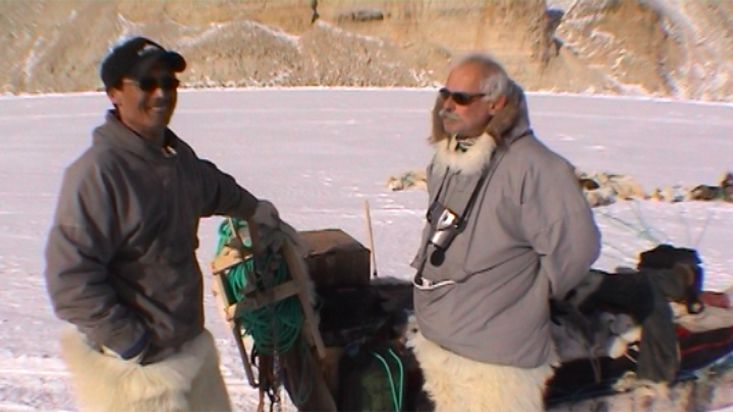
{"points": [[150, 83], [460, 98]]}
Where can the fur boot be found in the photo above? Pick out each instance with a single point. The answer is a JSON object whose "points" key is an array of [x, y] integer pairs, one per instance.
{"points": [[189, 380], [456, 383]]}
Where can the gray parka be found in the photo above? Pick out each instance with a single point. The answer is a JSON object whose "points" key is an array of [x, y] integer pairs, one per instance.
{"points": [[529, 237], [120, 258]]}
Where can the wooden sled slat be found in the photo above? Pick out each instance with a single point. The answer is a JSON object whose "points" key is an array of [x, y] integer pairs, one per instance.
{"points": [[294, 362], [258, 300], [299, 273], [227, 258], [217, 287]]}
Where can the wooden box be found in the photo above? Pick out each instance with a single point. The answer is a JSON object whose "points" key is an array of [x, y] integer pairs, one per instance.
{"points": [[336, 259]]}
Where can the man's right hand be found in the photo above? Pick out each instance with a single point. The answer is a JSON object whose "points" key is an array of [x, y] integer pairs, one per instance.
{"points": [[272, 233], [135, 359]]}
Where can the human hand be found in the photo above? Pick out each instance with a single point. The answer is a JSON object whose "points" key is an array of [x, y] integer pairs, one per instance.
{"points": [[272, 233], [134, 354]]}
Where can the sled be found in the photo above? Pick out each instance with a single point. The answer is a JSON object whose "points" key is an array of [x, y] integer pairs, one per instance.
{"points": [[706, 368], [380, 312], [363, 319], [298, 361]]}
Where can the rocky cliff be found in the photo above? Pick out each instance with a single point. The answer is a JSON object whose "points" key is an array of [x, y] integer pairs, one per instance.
{"points": [[669, 48]]}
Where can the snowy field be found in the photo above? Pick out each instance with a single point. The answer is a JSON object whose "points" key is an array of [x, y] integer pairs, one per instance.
{"points": [[318, 155]]}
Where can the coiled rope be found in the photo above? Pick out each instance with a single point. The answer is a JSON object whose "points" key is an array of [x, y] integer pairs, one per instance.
{"points": [[275, 327]]}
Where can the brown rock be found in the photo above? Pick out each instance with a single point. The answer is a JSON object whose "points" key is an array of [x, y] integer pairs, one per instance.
{"points": [[622, 46]]}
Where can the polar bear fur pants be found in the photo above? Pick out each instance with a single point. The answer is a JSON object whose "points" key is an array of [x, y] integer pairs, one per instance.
{"points": [[456, 383], [189, 380]]}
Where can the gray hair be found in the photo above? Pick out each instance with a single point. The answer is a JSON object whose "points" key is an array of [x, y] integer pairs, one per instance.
{"points": [[495, 82]]}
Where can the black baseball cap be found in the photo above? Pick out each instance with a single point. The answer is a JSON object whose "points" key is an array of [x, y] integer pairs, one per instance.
{"points": [[134, 58]]}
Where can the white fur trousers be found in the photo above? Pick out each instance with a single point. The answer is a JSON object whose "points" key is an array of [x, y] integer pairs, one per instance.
{"points": [[456, 383], [189, 380]]}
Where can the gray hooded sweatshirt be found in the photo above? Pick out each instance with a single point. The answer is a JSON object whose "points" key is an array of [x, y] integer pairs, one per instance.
{"points": [[529, 236], [120, 258]]}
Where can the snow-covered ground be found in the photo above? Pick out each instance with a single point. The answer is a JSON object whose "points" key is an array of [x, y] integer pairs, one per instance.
{"points": [[319, 154]]}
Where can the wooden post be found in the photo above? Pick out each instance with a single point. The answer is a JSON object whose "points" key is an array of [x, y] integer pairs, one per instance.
{"points": [[370, 235]]}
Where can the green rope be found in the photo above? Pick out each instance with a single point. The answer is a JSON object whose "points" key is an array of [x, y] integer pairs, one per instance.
{"points": [[396, 393], [402, 377], [275, 327]]}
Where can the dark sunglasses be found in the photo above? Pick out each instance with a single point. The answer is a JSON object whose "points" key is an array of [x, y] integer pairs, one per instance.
{"points": [[460, 98], [149, 83]]}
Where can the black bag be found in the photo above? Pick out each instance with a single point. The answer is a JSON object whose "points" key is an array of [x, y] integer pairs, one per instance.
{"points": [[686, 263]]}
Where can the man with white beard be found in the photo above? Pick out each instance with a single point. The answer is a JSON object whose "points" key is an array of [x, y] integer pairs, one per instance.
{"points": [[507, 229]]}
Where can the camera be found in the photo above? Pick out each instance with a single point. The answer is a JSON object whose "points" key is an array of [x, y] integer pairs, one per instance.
{"points": [[446, 225]]}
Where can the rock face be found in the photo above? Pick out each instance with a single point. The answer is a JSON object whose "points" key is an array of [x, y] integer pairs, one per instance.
{"points": [[670, 48]]}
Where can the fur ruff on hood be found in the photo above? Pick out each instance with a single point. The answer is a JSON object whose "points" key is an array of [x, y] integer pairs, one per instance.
{"points": [[456, 383], [506, 126], [469, 162], [188, 380]]}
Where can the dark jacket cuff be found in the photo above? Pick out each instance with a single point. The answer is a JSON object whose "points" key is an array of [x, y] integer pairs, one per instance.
{"points": [[136, 348]]}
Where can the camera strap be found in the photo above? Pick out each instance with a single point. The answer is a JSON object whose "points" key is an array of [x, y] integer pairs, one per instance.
{"points": [[442, 184], [486, 175]]}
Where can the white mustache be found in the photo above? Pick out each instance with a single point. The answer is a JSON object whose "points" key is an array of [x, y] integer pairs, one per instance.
{"points": [[446, 114]]}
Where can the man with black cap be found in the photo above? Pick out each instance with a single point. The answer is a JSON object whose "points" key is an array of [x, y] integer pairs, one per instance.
{"points": [[121, 263]]}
